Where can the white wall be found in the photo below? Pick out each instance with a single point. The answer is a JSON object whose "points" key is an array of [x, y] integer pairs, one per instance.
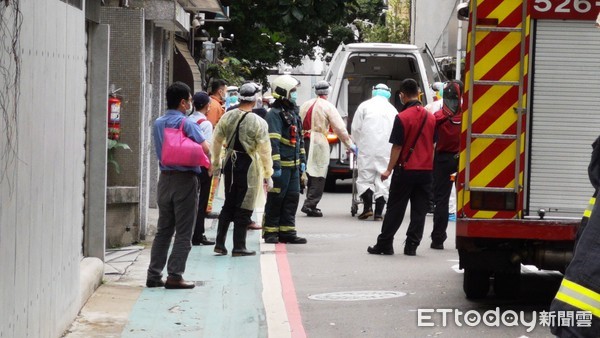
{"points": [[42, 171]]}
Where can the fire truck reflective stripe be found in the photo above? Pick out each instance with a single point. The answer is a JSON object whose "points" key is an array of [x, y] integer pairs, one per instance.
{"points": [[579, 297]]}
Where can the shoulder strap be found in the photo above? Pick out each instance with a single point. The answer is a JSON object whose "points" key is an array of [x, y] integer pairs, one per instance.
{"points": [[412, 148], [201, 120], [237, 128]]}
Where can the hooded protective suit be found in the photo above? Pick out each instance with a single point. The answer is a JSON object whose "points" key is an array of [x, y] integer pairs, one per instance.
{"points": [[254, 137], [371, 128], [324, 114]]}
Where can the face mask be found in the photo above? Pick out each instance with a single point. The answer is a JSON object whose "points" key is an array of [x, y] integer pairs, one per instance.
{"points": [[293, 96], [232, 100], [191, 107]]}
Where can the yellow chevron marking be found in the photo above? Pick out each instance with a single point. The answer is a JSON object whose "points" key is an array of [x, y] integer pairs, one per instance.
{"points": [[504, 9]]}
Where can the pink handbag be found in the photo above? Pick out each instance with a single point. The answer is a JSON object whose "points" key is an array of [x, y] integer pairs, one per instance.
{"points": [[180, 150]]}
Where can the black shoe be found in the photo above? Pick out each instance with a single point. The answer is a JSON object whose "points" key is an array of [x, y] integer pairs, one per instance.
{"points": [[242, 252], [376, 250], [311, 212], [378, 218], [203, 241], [292, 240], [220, 249], [155, 283], [410, 249], [271, 239], [437, 245]]}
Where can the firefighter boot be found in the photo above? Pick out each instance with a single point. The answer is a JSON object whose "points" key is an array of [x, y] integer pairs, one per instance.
{"points": [[367, 198], [379, 205], [221, 236], [239, 241]]}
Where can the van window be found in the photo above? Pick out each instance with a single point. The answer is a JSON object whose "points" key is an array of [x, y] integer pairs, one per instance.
{"points": [[364, 70], [433, 72]]}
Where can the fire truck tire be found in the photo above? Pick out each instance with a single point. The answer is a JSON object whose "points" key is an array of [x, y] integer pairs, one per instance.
{"points": [[476, 283], [507, 284]]}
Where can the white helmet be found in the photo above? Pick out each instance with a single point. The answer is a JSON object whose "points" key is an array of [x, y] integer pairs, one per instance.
{"points": [[282, 86]]}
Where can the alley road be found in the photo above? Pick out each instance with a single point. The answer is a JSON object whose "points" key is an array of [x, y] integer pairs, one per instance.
{"points": [[335, 260]]}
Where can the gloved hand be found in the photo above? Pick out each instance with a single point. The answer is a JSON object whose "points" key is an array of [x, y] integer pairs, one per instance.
{"points": [[276, 173], [302, 167], [269, 183], [354, 149], [303, 182]]}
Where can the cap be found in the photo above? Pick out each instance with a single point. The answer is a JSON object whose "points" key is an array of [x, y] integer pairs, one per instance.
{"points": [[381, 90], [248, 91], [201, 99], [322, 87]]}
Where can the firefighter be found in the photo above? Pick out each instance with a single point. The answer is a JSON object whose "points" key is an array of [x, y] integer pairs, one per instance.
{"points": [[247, 163], [371, 127], [579, 292], [318, 115], [288, 154], [445, 161]]}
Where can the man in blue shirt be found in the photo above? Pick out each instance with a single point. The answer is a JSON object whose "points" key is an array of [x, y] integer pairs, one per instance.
{"points": [[177, 196]]}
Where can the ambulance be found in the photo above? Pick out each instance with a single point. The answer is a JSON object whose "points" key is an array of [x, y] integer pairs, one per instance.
{"points": [[531, 112]]}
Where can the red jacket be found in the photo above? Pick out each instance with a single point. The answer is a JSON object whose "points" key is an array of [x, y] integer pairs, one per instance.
{"points": [[448, 133], [422, 156]]}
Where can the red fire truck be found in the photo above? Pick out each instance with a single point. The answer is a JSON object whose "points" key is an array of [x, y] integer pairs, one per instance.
{"points": [[531, 113]]}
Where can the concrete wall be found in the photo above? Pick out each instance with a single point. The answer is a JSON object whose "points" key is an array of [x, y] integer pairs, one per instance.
{"points": [[42, 152]]}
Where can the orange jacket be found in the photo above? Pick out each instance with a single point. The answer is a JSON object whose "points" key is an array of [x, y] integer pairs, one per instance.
{"points": [[215, 110]]}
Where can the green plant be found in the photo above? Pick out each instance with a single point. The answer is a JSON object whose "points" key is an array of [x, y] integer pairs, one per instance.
{"points": [[111, 147]]}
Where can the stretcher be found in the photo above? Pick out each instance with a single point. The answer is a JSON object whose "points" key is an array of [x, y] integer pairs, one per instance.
{"points": [[356, 200]]}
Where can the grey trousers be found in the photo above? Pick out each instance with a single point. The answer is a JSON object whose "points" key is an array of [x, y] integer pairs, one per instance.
{"points": [[177, 208], [314, 191]]}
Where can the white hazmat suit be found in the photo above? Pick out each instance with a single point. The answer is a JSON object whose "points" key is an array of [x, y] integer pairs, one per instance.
{"points": [[371, 128]]}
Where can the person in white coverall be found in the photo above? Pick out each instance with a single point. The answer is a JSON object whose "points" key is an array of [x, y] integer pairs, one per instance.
{"points": [[371, 129], [318, 115]]}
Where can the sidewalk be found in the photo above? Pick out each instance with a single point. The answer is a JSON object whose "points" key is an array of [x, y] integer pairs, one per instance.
{"points": [[228, 300]]}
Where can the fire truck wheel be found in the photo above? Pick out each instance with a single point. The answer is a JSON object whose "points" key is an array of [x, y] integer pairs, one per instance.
{"points": [[507, 284], [476, 283]]}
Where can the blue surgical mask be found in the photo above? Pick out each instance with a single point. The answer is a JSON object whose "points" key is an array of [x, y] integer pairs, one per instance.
{"points": [[293, 96]]}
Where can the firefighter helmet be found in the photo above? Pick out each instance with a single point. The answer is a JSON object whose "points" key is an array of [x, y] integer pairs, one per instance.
{"points": [[283, 85]]}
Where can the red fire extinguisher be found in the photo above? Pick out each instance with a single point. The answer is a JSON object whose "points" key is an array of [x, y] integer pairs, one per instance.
{"points": [[114, 114]]}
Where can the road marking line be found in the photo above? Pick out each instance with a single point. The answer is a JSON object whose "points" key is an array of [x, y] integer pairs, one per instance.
{"points": [[289, 292], [277, 320]]}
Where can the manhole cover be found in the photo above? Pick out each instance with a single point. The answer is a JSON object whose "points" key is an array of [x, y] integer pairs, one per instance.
{"points": [[350, 296]]}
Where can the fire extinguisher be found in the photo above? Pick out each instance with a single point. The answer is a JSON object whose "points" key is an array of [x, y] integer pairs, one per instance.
{"points": [[114, 114]]}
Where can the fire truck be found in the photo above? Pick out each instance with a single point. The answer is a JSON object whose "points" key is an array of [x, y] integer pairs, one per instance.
{"points": [[531, 112]]}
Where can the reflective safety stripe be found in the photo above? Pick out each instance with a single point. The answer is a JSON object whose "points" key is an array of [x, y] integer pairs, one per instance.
{"points": [[287, 228], [270, 229], [290, 163], [276, 157], [275, 136], [302, 151], [285, 141], [579, 297], [275, 190], [588, 211]]}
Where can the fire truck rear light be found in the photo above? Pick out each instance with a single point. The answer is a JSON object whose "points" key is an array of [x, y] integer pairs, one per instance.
{"points": [[332, 137], [493, 200]]}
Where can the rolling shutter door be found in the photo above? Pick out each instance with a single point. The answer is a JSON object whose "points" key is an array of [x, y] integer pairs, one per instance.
{"points": [[565, 116]]}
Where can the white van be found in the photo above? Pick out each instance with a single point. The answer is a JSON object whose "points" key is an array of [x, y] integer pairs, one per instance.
{"points": [[354, 70]]}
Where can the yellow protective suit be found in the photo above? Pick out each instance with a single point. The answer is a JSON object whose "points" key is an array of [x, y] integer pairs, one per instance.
{"points": [[254, 136], [324, 115]]}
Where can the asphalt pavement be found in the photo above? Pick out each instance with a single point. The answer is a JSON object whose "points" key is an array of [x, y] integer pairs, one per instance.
{"points": [[330, 287]]}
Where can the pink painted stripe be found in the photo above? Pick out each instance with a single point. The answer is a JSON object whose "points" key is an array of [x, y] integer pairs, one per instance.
{"points": [[289, 292]]}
